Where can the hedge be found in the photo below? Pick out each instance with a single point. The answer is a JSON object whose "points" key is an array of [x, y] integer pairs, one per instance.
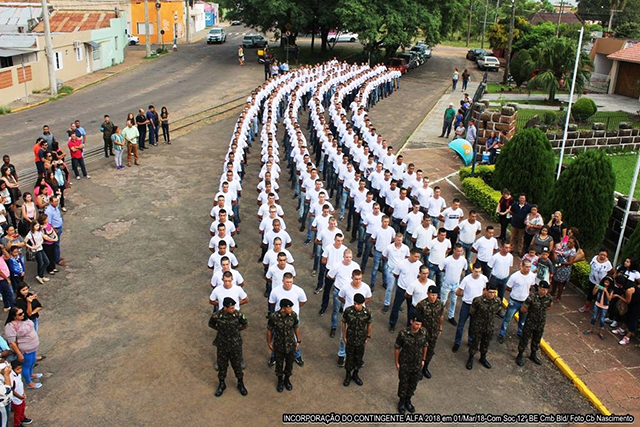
{"points": [[482, 171], [482, 195], [580, 275]]}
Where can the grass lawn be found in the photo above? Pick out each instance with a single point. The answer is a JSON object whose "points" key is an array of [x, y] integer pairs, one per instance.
{"points": [[506, 89], [473, 44], [611, 118], [623, 167]]}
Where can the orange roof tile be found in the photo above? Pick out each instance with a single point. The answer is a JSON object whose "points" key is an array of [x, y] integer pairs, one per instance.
{"points": [[69, 22], [630, 54]]}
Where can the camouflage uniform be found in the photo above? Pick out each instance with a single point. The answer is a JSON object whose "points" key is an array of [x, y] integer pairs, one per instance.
{"points": [[357, 325], [536, 318], [484, 310], [411, 347], [431, 313], [229, 341], [284, 340]]}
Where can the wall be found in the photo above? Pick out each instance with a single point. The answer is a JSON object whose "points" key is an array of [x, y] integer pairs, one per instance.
{"points": [[63, 43], [615, 222], [112, 42], [601, 64], [11, 83], [168, 11], [493, 120], [582, 140]]}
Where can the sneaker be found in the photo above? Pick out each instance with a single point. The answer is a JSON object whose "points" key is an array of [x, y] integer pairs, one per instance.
{"points": [[618, 331], [584, 308], [300, 361], [314, 273], [55, 270], [624, 341], [39, 279], [607, 320], [77, 177], [64, 209], [341, 361], [453, 321], [614, 324], [46, 279], [27, 421], [88, 176], [385, 309]]}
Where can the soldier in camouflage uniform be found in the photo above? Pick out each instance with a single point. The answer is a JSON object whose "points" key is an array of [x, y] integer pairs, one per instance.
{"points": [[483, 310], [229, 322], [432, 310], [536, 305], [410, 353], [356, 331], [283, 338]]}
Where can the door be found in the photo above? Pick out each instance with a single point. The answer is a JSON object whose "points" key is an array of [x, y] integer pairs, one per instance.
{"points": [[87, 57]]}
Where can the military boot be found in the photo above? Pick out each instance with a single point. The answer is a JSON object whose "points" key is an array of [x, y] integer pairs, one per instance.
{"points": [[409, 406], [484, 361], [287, 383], [241, 388], [280, 385], [356, 378], [534, 358], [470, 362], [221, 387], [347, 379], [425, 371], [401, 407], [519, 359]]}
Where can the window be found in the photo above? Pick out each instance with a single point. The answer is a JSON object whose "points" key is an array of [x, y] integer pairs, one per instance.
{"points": [[96, 53], [141, 29], [79, 50], [6, 62], [116, 38], [58, 60]]}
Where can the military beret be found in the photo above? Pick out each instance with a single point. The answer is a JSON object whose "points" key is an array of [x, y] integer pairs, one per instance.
{"points": [[544, 284], [228, 302], [358, 299], [286, 303], [492, 287], [432, 289], [417, 318]]}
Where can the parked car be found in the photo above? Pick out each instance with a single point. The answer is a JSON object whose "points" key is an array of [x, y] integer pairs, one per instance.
{"points": [[473, 54], [488, 63], [254, 40], [132, 40], [412, 59], [236, 23], [399, 64], [422, 48], [216, 35], [342, 37]]}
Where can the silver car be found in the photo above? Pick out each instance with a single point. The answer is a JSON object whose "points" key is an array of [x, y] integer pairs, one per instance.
{"points": [[216, 35]]}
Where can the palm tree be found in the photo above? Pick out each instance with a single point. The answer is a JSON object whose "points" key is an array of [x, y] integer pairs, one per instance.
{"points": [[554, 59]]}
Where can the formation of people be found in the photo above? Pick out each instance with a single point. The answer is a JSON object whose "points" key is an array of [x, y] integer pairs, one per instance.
{"points": [[342, 171]]}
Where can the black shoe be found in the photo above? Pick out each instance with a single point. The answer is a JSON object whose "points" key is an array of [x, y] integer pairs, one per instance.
{"points": [[519, 360], [302, 229], [453, 321], [347, 379], [241, 388], [484, 362], [300, 361], [322, 311], [352, 240], [401, 407], [341, 361], [266, 293], [332, 333], [280, 385], [27, 421], [470, 363], [385, 309], [519, 334], [287, 384], [392, 328], [425, 371], [356, 378], [501, 339], [300, 220], [401, 310], [272, 361], [455, 347], [359, 255], [221, 387], [409, 406], [317, 291], [534, 358]]}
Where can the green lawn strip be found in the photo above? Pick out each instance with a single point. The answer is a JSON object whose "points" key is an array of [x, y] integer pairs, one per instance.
{"points": [[623, 167]]}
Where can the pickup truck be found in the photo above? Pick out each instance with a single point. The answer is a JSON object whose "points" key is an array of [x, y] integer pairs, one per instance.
{"points": [[488, 63]]}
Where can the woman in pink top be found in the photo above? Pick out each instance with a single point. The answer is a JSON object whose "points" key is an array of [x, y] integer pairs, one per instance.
{"points": [[603, 296], [23, 339], [29, 214]]}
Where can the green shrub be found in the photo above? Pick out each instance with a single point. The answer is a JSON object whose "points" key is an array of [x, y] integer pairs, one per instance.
{"points": [[584, 108], [485, 172], [65, 90], [580, 275], [521, 68], [482, 195], [549, 118], [4, 110], [631, 249]]}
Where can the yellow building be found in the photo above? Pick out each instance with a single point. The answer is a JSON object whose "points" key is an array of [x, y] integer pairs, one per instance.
{"points": [[170, 15]]}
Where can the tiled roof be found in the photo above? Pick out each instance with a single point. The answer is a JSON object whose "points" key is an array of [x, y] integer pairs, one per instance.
{"points": [[630, 54], [567, 18], [69, 22]]}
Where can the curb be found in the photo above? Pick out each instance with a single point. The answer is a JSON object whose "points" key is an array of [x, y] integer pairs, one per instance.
{"points": [[568, 372]]}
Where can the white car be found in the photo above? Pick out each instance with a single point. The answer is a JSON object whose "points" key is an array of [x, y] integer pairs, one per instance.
{"points": [[488, 63], [133, 40], [342, 37]]}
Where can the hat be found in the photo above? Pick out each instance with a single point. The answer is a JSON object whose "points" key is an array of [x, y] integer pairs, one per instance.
{"points": [[544, 284], [545, 249], [432, 289], [358, 299], [492, 287], [228, 302], [285, 303], [417, 318]]}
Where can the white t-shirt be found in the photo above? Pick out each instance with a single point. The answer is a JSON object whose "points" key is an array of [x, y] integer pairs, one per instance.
{"points": [[424, 194], [373, 222], [333, 255], [348, 292], [18, 387], [214, 260], [395, 255], [215, 240], [435, 206], [270, 236], [342, 273], [485, 248], [383, 237], [468, 231], [598, 270], [451, 218], [275, 274], [216, 278], [267, 224], [271, 257], [424, 235], [235, 292], [296, 295], [438, 251], [501, 265], [407, 272], [418, 291], [413, 221], [520, 285], [453, 268], [229, 227], [472, 288], [263, 210], [400, 208]]}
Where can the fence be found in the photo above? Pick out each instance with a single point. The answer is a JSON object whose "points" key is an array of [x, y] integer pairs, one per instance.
{"points": [[554, 120]]}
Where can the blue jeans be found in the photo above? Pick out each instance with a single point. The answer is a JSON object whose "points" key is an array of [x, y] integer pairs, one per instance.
{"points": [[361, 236], [501, 284], [152, 134], [435, 222], [597, 313], [446, 290], [467, 254], [27, 366], [343, 201], [435, 272], [377, 258], [42, 261], [7, 293], [512, 308], [368, 246], [337, 305], [391, 283], [397, 303], [342, 348], [465, 312]]}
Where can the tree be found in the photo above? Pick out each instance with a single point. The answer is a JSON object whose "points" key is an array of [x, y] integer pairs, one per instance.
{"points": [[535, 35], [631, 249], [498, 34], [584, 195], [554, 60], [526, 165], [628, 30], [521, 68]]}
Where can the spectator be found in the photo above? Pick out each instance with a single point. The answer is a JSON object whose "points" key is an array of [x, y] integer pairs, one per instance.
{"points": [[533, 224], [454, 79], [5, 283], [47, 135], [12, 238], [13, 186], [39, 151], [107, 129], [55, 218], [603, 296], [565, 256], [58, 190], [29, 214], [7, 202], [164, 119], [16, 266], [23, 340], [18, 398], [81, 132], [117, 140], [34, 241], [132, 140], [50, 239], [600, 267], [141, 122], [631, 301], [77, 159], [519, 211], [154, 120], [557, 228], [449, 115], [542, 241], [465, 79], [503, 214]]}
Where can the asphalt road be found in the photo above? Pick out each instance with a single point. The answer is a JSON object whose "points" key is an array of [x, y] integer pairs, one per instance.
{"points": [[194, 78]]}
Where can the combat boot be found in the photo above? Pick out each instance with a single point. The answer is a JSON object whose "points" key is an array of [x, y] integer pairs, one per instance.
{"points": [[470, 362], [534, 358], [221, 387], [280, 385], [347, 379], [519, 359], [287, 383], [356, 378], [241, 388], [409, 406], [401, 407], [425, 371], [484, 361]]}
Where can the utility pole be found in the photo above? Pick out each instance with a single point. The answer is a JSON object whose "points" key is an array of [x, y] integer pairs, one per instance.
{"points": [[147, 41], [158, 5], [495, 15], [48, 47], [559, 18], [505, 79], [188, 20], [469, 23], [484, 24]]}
